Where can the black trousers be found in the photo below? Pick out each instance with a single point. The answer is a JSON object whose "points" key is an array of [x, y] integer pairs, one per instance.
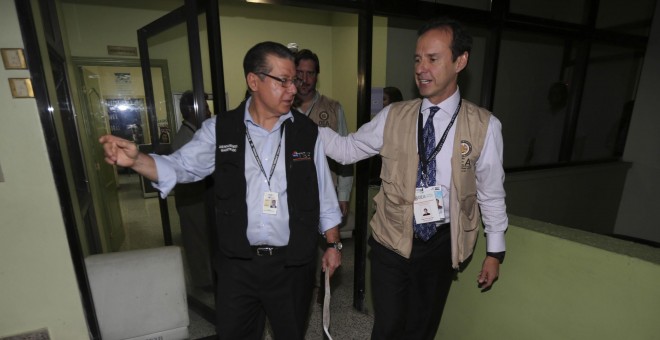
{"points": [[251, 290], [409, 295]]}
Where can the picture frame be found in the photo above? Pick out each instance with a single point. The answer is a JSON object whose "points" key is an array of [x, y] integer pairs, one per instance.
{"points": [[21, 87], [13, 59]]}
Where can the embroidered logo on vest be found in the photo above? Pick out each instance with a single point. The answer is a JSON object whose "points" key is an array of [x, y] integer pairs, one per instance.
{"points": [[466, 150], [323, 116], [301, 156], [228, 148]]}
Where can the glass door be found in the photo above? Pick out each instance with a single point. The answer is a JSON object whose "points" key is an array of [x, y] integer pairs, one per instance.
{"points": [[187, 39]]}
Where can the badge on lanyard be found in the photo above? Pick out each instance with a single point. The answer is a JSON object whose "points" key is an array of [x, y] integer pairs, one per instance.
{"points": [[426, 204], [439, 202], [270, 203]]}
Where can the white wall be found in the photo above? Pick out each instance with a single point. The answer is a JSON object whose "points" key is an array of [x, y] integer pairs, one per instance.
{"points": [[37, 280], [641, 195]]}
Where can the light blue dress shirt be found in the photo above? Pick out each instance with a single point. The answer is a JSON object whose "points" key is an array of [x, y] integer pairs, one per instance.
{"points": [[196, 160]]}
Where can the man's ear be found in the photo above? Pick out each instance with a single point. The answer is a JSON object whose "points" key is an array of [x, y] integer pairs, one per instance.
{"points": [[461, 61], [252, 80]]}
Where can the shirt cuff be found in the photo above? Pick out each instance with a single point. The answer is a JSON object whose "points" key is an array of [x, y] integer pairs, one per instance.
{"points": [[330, 222], [166, 176], [495, 242]]}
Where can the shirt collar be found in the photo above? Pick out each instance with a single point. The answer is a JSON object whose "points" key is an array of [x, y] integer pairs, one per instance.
{"points": [[280, 121], [447, 106]]}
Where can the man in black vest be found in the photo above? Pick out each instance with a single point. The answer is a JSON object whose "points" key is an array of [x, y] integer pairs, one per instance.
{"points": [[259, 152]]}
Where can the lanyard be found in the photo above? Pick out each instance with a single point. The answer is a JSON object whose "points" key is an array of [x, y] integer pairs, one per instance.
{"points": [[256, 155], [420, 139]]}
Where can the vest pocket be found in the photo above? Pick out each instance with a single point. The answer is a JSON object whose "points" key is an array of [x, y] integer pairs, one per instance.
{"points": [[393, 206], [468, 211], [389, 164]]}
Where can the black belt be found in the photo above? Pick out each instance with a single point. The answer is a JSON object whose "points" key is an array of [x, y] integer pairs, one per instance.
{"points": [[438, 228], [265, 250]]}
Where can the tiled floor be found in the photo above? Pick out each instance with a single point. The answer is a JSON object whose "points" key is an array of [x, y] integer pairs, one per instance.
{"points": [[141, 217]]}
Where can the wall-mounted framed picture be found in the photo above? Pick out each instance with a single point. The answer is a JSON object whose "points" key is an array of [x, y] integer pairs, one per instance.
{"points": [[13, 58], [21, 87]]}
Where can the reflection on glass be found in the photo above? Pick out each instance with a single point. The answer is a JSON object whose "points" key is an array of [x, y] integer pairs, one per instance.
{"points": [[562, 10], [530, 101], [609, 91], [633, 17]]}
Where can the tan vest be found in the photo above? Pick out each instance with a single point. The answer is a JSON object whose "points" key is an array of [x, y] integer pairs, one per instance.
{"points": [[324, 113], [392, 222]]}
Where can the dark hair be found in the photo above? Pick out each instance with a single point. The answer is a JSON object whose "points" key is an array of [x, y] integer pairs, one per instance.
{"points": [[255, 58], [394, 94], [306, 54], [461, 40], [187, 104]]}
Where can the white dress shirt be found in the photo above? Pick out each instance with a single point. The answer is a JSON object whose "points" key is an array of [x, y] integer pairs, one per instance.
{"points": [[368, 140]]}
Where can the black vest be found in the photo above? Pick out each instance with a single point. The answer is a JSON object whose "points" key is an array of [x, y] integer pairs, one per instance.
{"points": [[302, 186]]}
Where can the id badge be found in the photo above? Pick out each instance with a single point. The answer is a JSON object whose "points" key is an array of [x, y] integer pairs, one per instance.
{"points": [[425, 206], [271, 202], [439, 202]]}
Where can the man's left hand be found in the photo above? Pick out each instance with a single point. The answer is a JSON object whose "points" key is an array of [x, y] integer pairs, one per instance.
{"points": [[331, 260], [490, 271]]}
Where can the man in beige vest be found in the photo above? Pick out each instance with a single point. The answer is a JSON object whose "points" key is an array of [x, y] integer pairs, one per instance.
{"points": [[452, 167]]}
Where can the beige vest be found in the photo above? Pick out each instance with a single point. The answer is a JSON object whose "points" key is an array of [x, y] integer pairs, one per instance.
{"points": [[324, 112], [392, 222]]}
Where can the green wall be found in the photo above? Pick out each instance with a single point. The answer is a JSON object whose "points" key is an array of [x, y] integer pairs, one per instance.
{"points": [[559, 283], [555, 283]]}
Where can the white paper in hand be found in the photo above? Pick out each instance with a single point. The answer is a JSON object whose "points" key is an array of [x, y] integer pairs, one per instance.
{"points": [[326, 306]]}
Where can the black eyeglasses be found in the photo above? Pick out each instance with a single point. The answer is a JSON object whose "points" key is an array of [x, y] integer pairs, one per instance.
{"points": [[284, 81]]}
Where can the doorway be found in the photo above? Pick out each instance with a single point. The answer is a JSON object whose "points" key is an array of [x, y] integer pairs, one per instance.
{"points": [[108, 209]]}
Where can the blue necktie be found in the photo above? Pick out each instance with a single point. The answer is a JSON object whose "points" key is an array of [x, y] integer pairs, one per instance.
{"points": [[426, 230]]}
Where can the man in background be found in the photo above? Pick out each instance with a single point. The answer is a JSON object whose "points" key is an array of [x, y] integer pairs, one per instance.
{"points": [[191, 205], [391, 95], [325, 112]]}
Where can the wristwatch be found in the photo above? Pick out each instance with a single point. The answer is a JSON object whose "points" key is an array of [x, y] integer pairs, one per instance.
{"points": [[337, 245]]}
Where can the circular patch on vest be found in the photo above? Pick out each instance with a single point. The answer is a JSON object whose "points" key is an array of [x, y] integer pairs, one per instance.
{"points": [[324, 115], [466, 148]]}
